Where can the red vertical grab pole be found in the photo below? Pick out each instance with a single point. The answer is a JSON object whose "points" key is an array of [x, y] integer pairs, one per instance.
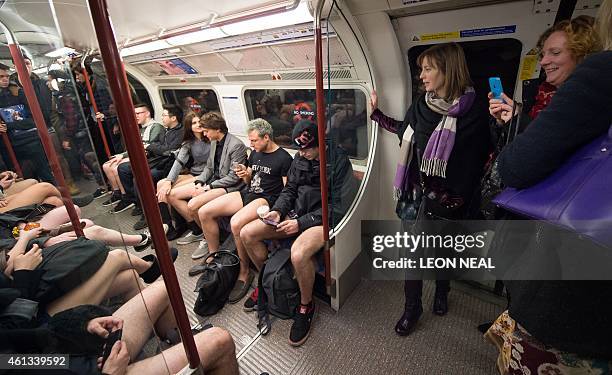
{"points": [[117, 80], [92, 100], [43, 133], [320, 96], [11, 154]]}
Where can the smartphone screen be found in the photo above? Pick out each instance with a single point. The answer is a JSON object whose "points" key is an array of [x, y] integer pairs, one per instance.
{"points": [[270, 222]]}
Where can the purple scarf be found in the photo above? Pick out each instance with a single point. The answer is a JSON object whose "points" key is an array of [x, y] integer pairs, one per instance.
{"points": [[442, 140]]}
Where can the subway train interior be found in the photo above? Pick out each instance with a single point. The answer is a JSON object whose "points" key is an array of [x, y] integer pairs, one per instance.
{"points": [[288, 62]]}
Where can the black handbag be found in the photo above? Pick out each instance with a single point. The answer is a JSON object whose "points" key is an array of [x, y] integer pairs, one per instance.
{"points": [[67, 265], [490, 184], [216, 282]]}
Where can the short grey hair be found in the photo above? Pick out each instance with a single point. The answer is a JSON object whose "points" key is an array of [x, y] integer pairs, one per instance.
{"points": [[261, 126]]}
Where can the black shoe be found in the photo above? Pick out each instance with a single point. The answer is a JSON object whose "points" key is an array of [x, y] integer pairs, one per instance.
{"points": [[174, 233], [112, 200], [251, 303], [409, 320], [440, 304], [141, 224], [302, 323], [137, 211], [154, 272], [146, 242], [83, 201], [122, 206], [99, 193]]}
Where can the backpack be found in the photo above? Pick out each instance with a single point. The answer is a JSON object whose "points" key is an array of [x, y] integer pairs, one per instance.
{"points": [[279, 293], [216, 282]]}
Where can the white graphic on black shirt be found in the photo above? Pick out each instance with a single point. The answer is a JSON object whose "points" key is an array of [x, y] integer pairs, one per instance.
{"points": [[256, 184]]}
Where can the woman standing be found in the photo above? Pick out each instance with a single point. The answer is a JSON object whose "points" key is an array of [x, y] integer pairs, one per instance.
{"points": [[451, 142]]}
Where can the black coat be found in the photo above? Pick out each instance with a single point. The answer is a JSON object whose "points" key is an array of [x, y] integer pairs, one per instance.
{"points": [[302, 193]]}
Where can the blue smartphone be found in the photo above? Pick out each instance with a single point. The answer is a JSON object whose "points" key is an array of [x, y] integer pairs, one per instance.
{"points": [[496, 87]]}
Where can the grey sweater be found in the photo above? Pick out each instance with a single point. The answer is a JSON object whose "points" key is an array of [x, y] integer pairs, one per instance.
{"points": [[198, 150]]}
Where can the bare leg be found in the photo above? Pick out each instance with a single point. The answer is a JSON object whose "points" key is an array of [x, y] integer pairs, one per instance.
{"points": [[198, 201], [302, 257], [116, 175], [20, 186], [108, 236], [34, 194], [252, 236], [225, 205], [215, 347], [140, 314], [57, 217], [247, 214], [96, 288], [184, 179], [110, 176], [126, 283], [178, 198]]}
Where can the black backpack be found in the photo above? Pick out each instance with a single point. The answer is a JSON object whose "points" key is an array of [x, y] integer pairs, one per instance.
{"points": [[216, 282], [279, 293]]}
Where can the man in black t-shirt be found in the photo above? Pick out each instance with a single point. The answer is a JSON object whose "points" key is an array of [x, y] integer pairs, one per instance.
{"points": [[265, 176]]}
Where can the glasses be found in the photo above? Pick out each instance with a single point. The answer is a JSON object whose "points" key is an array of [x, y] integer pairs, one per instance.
{"points": [[165, 115], [140, 113]]}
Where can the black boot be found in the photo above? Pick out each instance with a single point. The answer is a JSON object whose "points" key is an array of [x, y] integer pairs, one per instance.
{"points": [[440, 303], [413, 308], [409, 319]]}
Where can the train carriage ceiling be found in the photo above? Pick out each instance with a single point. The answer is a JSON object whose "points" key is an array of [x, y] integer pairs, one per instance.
{"points": [[33, 22]]}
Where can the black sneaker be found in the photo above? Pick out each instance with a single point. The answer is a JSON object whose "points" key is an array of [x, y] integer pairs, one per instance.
{"points": [[141, 224], [137, 211], [174, 233], [113, 199], [251, 303], [146, 242], [100, 193], [302, 323], [83, 201], [122, 206]]}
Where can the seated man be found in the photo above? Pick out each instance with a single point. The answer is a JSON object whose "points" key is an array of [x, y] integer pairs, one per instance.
{"points": [[157, 155], [298, 213], [265, 176], [150, 131], [216, 179]]}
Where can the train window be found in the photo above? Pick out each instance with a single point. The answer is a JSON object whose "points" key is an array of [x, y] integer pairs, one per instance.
{"points": [[192, 100], [283, 108], [485, 58], [139, 92]]}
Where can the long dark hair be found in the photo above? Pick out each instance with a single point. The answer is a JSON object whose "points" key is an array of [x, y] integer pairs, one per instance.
{"points": [[188, 135]]}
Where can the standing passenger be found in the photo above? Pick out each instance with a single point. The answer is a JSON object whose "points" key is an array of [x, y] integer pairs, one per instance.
{"points": [[450, 132]]}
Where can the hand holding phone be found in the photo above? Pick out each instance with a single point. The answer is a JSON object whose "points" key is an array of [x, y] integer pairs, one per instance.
{"points": [[269, 222], [496, 87], [112, 338]]}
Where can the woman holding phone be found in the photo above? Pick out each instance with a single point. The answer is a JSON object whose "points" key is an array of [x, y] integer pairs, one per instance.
{"points": [[451, 142], [561, 47]]}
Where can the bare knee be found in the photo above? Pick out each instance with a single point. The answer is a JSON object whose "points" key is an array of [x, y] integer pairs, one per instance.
{"points": [[49, 189], [298, 256], [192, 207], [205, 213], [218, 339], [236, 225], [246, 234]]}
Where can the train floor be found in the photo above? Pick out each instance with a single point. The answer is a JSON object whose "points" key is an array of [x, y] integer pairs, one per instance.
{"points": [[358, 339]]}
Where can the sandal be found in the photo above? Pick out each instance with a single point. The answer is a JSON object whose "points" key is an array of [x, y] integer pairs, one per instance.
{"points": [[154, 272]]}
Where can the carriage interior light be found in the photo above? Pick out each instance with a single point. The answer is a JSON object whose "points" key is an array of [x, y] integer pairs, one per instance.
{"points": [[146, 47], [64, 51], [299, 15], [197, 36]]}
